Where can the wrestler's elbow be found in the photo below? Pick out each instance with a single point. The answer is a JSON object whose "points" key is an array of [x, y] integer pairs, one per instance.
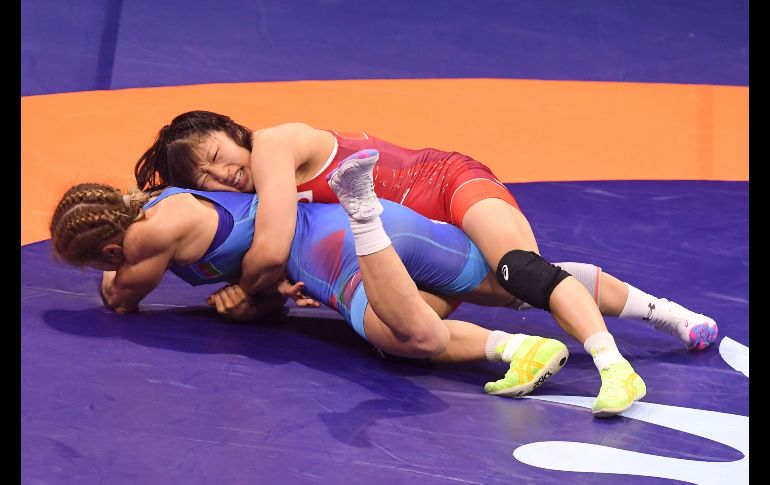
{"points": [[113, 301], [126, 308]]}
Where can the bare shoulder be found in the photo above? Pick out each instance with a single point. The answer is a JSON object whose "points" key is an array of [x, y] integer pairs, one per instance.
{"points": [[162, 227], [293, 132], [285, 128], [302, 146]]}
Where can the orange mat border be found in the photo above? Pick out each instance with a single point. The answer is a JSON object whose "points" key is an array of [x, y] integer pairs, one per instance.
{"points": [[526, 130]]}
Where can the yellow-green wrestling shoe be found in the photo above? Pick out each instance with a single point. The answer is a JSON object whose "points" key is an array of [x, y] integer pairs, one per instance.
{"points": [[536, 360], [621, 386]]}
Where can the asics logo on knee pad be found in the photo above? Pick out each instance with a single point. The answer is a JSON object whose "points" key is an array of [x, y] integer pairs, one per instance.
{"points": [[530, 278]]}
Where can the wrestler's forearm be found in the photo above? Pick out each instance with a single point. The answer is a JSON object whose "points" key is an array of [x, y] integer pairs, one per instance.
{"points": [[111, 297], [260, 273], [263, 265], [119, 294], [265, 280]]}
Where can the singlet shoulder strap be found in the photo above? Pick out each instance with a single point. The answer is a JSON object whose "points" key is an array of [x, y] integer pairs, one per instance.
{"points": [[166, 193]]}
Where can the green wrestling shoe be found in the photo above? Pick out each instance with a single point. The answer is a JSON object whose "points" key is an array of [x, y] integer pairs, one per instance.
{"points": [[536, 360], [621, 386]]}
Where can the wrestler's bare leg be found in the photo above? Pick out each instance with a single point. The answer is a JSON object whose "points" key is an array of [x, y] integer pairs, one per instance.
{"points": [[498, 228], [398, 321]]}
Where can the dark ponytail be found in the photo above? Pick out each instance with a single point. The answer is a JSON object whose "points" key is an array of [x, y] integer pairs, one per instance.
{"points": [[151, 171]]}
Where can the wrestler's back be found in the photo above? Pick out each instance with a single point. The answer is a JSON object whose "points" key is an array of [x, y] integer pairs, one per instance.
{"points": [[422, 179]]}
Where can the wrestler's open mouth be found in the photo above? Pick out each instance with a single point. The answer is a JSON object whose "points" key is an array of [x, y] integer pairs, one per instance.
{"points": [[238, 178]]}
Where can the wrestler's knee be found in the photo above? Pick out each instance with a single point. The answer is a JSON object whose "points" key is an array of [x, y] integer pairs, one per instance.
{"points": [[529, 277]]}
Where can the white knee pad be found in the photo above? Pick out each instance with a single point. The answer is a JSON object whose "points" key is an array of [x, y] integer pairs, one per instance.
{"points": [[587, 274]]}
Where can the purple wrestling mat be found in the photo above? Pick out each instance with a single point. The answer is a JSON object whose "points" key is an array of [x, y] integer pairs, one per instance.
{"points": [[175, 395]]}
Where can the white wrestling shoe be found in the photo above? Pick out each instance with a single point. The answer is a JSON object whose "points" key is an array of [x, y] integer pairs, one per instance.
{"points": [[353, 183], [695, 330]]}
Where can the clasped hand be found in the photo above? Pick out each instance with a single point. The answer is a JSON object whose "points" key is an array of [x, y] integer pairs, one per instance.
{"points": [[233, 302]]}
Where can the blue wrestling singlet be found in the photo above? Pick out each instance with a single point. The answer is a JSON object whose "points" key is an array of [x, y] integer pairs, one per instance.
{"points": [[437, 256], [223, 262]]}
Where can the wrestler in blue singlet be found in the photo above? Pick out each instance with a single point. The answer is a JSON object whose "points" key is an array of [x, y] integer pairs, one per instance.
{"points": [[436, 255]]}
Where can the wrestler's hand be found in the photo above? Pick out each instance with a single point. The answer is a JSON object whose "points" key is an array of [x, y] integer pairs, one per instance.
{"points": [[109, 298], [105, 291], [294, 291], [231, 301]]}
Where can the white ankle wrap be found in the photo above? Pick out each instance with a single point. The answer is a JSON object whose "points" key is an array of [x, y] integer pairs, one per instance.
{"points": [[369, 235]]}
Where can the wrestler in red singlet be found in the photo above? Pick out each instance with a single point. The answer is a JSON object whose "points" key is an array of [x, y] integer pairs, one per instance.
{"points": [[439, 185]]}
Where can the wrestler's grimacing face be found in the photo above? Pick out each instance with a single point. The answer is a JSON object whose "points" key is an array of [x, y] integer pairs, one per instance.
{"points": [[224, 165]]}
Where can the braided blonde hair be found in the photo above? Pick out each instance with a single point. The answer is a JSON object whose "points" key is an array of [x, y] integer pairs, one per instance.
{"points": [[88, 216]]}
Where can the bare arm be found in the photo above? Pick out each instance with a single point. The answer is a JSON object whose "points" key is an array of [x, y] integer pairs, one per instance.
{"points": [[123, 289], [142, 270], [277, 153]]}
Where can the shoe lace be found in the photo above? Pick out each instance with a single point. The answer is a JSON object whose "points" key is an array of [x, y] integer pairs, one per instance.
{"points": [[362, 190], [614, 382], [668, 319], [610, 382]]}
